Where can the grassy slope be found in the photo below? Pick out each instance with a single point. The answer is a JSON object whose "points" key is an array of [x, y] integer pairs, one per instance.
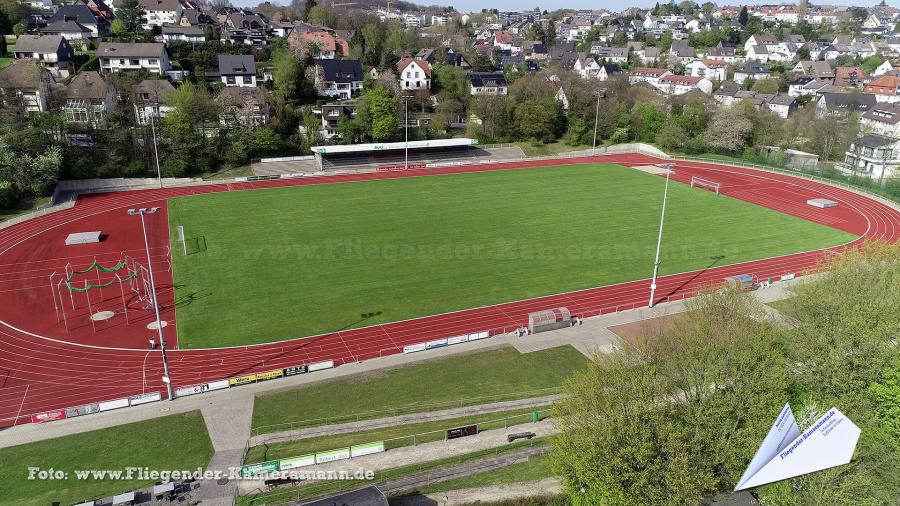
{"points": [[167, 443], [310, 260], [462, 380], [397, 436]]}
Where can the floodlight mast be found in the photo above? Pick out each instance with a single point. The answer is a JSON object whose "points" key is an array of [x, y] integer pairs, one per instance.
{"points": [[662, 219], [162, 340]]}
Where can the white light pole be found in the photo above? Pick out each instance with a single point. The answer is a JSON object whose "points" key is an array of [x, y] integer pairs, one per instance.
{"points": [[596, 119], [155, 147], [662, 219], [162, 341], [406, 132]]}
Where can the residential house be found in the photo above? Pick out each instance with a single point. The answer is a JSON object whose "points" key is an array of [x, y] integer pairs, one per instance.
{"points": [[815, 69], [586, 66], [873, 155], [414, 74], [682, 53], [245, 27], [758, 54], [714, 70], [613, 54], [26, 84], [886, 88], [844, 103], [237, 70], [149, 56], [647, 75], [51, 51], [282, 28], [71, 19], [649, 55], [441, 19], [488, 83], [338, 78], [88, 99], [885, 67], [849, 76], [882, 119], [607, 70], [150, 100], [725, 54], [674, 84], [782, 105], [329, 46], [751, 70], [180, 33], [560, 96], [332, 115], [760, 40], [243, 106], [159, 12]]}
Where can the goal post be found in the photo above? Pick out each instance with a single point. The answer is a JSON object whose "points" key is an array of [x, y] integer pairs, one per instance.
{"points": [[699, 182], [181, 239]]}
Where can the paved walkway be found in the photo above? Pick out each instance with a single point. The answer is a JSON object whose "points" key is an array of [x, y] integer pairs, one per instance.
{"points": [[496, 493]]}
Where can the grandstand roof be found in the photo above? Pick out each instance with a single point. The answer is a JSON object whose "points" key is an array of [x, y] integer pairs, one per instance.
{"points": [[388, 146]]}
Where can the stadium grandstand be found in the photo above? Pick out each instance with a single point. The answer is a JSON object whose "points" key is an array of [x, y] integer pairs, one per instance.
{"points": [[389, 156]]}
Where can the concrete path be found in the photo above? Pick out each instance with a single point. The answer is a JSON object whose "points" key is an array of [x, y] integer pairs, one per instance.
{"points": [[228, 424], [444, 414], [496, 493]]}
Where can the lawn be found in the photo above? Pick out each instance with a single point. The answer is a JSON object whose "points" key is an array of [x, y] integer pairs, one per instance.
{"points": [[274, 264], [396, 436], [462, 380], [168, 443]]}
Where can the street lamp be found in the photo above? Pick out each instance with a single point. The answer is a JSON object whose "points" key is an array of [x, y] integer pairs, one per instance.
{"points": [[662, 218], [596, 119], [406, 132], [162, 341], [155, 147]]}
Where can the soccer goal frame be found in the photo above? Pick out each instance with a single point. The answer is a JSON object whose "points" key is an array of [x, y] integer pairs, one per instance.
{"points": [[699, 182]]}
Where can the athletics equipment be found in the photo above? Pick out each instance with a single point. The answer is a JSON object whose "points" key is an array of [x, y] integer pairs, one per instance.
{"points": [[704, 183]]}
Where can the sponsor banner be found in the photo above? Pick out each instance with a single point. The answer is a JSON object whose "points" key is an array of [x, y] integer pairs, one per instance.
{"points": [[412, 348], [468, 430], [263, 376], [437, 343], [49, 416], [261, 468], [217, 385], [333, 455], [241, 380], [144, 398], [291, 463], [788, 277], [479, 335], [184, 391], [318, 366], [297, 369], [366, 449], [87, 409], [116, 404], [457, 339]]}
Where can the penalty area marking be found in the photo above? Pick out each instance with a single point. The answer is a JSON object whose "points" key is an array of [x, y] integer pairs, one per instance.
{"points": [[654, 169]]}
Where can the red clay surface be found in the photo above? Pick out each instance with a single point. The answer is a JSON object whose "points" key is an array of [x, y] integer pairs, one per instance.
{"points": [[45, 367]]}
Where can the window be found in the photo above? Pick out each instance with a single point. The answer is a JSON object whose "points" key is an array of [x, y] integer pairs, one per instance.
{"points": [[248, 79], [135, 63], [229, 80], [152, 61]]}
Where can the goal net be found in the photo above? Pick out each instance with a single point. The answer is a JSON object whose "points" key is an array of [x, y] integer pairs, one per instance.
{"points": [[704, 183]]}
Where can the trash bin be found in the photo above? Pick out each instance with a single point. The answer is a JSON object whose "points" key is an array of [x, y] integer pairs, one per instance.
{"points": [[535, 417]]}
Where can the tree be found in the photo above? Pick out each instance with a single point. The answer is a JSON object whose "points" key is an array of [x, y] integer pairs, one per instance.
{"points": [[666, 420], [729, 130], [481, 62], [647, 119], [536, 119], [318, 15], [767, 86], [307, 7], [743, 17], [671, 136], [871, 63], [379, 111], [131, 14], [19, 29], [288, 76], [118, 28], [28, 175], [452, 80]]}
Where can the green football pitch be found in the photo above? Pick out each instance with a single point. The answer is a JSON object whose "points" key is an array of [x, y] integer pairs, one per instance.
{"points": [[274, 264]]}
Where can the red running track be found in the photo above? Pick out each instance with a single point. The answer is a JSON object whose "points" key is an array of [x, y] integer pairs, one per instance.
{"points": [[44, 366]]}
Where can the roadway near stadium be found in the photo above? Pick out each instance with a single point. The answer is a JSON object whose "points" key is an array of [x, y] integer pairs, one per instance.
{"points": [[46, 367]]}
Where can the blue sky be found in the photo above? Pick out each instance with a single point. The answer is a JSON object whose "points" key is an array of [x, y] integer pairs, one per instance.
{"points": [[517, 5]]}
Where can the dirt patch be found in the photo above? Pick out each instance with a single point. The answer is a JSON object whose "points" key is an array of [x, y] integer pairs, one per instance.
{"points": [[639, 331]]}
